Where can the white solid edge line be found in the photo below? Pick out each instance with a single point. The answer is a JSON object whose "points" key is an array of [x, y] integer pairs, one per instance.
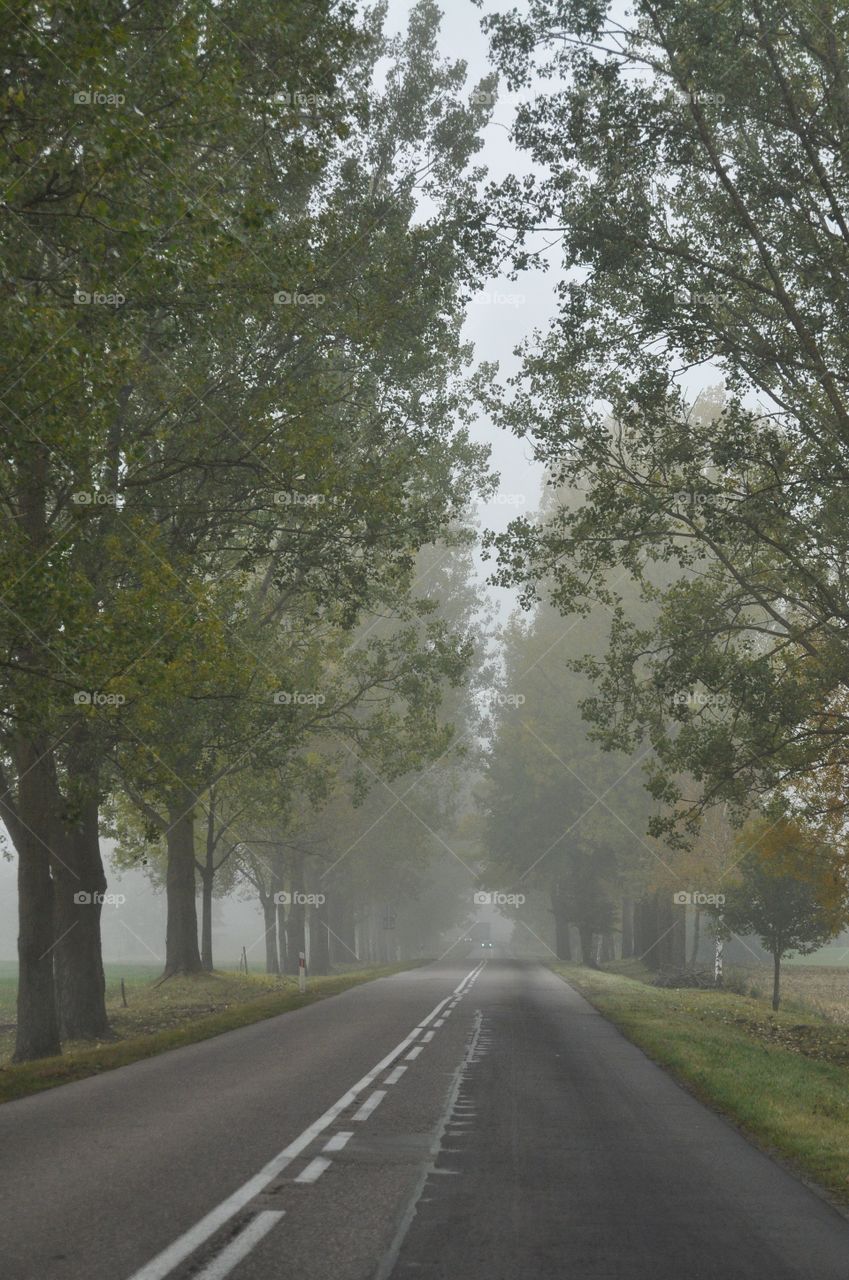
{"points": [[371, 1104], [337, 1142], [314, 1169], [241, 1246], [184, 1245], [394, 1075]]}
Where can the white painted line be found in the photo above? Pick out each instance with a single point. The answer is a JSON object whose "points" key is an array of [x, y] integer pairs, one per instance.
{"points": [[428, 1036], [239, 1248], [337, 1142], [439, 1021], [395, 1076], [414, 1053], [314, 1170], [433, 1014], [171, 1257], [371, 1104]]}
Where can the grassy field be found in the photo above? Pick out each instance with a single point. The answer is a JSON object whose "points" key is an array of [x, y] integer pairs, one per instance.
{"points": [[783, 1078], [820, 989], [159, 1017]]}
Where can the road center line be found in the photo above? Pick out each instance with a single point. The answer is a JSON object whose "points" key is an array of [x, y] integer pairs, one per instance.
{"points": [[428, 1036], [165, 1262], [239, 1248], [314, 1169], [395, 1076], [337, 1142], [414, 1053], [371, 1104]]}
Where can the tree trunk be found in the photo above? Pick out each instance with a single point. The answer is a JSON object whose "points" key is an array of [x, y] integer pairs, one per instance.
{"points": [[38, 1020], [319, 947], [776, 979], [278, 882], [269, 915], [296, 916], [79, 885], [694, 945], [342, 940], [181, 935], [207, 878], [652, 954], [627, 928], [585, 934], [562, 940], [207, 882], [678, 937]]}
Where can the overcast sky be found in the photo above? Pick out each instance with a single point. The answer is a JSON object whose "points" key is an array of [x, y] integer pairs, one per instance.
{"points": [[495, 325]]}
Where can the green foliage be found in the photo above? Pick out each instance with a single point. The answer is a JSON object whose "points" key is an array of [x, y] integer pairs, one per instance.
{"points": [[693, 160]]}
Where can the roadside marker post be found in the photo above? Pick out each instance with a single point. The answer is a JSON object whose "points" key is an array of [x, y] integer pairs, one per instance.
{"points": [[302, 972]]}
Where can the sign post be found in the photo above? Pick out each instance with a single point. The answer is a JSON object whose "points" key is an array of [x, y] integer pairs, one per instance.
{"points": [[302, 972]]}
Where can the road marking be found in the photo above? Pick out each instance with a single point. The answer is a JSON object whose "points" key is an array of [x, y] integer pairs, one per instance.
{"points": [[395, 1076], [387, 1266], [439, 1021], [165, 1262], [337, 1142], [371, 1104], [240, 1247], [414, 1053], [314, 1169], [428, 1036]]}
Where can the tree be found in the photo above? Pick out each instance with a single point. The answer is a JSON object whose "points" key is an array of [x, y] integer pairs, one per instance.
{"points": [[792, 892], [190, 418], [561, 815], [691, 161]]}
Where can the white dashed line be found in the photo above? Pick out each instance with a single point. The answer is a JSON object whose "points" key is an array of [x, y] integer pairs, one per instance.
{"points": [[337, 1142], [174, 1254], [395, 1076], [370, 1105], [314, 1170], [414, 1053], [428, 1036], [240, 1247]]}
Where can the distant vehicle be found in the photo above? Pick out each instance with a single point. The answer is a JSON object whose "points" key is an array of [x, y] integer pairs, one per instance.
{"points": [[486, 943]]}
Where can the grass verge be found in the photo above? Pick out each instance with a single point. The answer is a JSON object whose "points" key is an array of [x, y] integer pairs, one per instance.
{"points": [[783, 1080], [179, 1012]]}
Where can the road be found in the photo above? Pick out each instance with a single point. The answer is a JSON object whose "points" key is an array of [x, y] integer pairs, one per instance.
{"points": [[472, 1121]]}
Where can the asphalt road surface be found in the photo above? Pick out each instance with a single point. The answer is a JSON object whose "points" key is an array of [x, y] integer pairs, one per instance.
{"points": [[474, 1121]]}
